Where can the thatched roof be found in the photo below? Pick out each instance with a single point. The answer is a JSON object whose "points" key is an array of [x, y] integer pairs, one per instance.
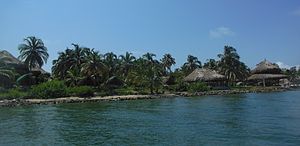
{"points": [[266, 67], [204, 75], [266, 76], [13, 61], [9, 59]]}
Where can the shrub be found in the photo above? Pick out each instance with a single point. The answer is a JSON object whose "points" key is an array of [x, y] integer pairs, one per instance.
{"points": [[198, 87], [50, 89], [181, 86], [81, 91], [13, 94], [125, 91]]}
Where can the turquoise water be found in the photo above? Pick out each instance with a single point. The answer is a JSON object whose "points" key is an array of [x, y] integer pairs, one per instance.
{"points": [[248, 119]]}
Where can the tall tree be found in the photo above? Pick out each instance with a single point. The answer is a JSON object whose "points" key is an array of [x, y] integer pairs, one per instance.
{"points": [[231, 66], [70, 59], [191, 64], [33, 52], [167, 62], [152, 71], [127, 61], [93, 67], [211, 64], [111, 61]]}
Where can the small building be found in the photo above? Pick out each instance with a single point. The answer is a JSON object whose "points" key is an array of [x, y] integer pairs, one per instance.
{"points": [[266, 72], [210, 77]]}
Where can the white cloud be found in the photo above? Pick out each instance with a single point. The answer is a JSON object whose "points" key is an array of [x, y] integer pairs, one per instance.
{"points": [[296, 12], [285, 66], [221, 32]]}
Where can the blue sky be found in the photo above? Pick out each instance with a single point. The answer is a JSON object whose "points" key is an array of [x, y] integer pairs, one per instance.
{"points": [[258, 29]]}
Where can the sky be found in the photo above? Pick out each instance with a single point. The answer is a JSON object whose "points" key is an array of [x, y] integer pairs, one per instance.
{"points": [[258, 29]]}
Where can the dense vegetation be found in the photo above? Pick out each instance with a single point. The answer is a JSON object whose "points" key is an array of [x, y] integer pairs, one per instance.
{"points": [[82, 71]]}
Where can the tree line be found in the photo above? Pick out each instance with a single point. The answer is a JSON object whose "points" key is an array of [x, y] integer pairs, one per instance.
{"points": [[80, 65]]}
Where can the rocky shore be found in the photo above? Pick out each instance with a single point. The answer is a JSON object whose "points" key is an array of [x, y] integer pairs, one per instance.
{"points": [[234, 91], [22, 102]]}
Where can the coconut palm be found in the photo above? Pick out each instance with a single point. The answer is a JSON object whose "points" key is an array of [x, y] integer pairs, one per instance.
{"points": [[93, 67], [167, 62], [111, 61], [152, 70], [126, 63], [211, 64], [70, 59], [33, 52], [191, 64], [73, 77], [78, 56], [231, 66]]}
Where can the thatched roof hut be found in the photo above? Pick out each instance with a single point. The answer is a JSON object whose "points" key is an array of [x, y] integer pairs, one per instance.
{"points": [[9, 59], [266, 70], [204, 75], [266, 67], [14, 62], [266, 76]]}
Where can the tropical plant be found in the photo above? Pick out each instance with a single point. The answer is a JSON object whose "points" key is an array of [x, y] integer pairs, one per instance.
{"points": [[5, 70], [33, 52], [191, 64], [50, 89], [211, 64], [73, 77], [93, 67], [153, 70], [71, 59], [231, 66], [292, 73], [127, 63], [167, 62], [111, 61]]}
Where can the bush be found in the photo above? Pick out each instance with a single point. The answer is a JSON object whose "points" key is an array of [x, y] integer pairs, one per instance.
{"points": [[13, 94], [180, 87], [198, 87], [125, 91], [50, 89], [81, 91]]}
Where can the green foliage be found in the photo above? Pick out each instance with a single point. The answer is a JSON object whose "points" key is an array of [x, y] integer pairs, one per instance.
{"points": [[81, 91], [33, 52], [50, 89], [13, 94], [125, 91], [231, 66], [198, 87]]}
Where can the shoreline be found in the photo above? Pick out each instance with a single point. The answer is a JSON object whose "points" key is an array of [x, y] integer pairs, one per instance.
{"points": [[25, 102]]}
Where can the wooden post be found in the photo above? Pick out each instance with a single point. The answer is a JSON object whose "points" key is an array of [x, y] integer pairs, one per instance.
{"points": [[264, 83]]}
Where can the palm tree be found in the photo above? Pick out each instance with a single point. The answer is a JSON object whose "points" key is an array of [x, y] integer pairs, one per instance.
{"points": [[231, 66], [149, 57], [126, 63], [70, 59], [167, 62], [62, 64], [111, 61], [33, 52], [211, 64], [191, 64], [78, 56], [93, 67], [152, 70], [73, 77]]}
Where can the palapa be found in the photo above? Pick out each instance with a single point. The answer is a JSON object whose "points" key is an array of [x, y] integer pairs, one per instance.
{"points": [[204, 75], [266, 70]]}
